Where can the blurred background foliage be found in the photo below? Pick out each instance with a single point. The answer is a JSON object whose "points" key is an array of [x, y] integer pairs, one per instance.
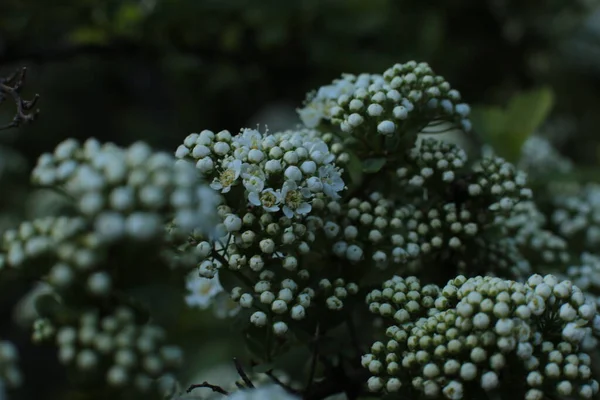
{"points": [[155, 70]]}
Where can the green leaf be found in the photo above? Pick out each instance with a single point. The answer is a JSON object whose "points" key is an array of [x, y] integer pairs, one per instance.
{"points": [[507, 129], [354, 170], [373, 165]]}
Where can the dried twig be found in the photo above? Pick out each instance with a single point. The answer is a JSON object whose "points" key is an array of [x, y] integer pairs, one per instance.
{"points": [[214, 388], [10, 87], [242, 373]]}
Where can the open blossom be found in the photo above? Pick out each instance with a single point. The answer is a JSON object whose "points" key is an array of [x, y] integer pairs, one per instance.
{"points": [[228, 177], [294, 199], [332, 181], [268, 199], [202, 291]]}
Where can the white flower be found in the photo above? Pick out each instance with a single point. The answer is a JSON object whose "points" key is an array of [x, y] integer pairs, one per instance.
{"points": [[202, 290], [314, 184], [254, 184], [268, 199], [319, 152], [249, 138], [228, 177], [332, 181], [224, 306], [312, 114], [293, 199]]}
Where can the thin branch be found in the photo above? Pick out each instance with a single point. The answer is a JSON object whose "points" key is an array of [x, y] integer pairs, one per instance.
{"points": [[214, 388], [242, 373], [10, 87], [315, 357], [275, 379]]}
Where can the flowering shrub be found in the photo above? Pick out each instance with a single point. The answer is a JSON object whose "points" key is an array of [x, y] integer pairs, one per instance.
{"points": [[391, 264]]}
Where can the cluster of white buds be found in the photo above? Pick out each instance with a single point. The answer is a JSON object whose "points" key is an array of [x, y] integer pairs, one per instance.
{"points": [[369, 230], [71, 256], [118, 351], [61, 248], [586, 275], [274, 188], [538, 245], [497, 180], [10, 374], [127, 192], [464, 214], [432, 159], [475, 335], [318, 105], [576, 214], [406, 95], [540, 158]]}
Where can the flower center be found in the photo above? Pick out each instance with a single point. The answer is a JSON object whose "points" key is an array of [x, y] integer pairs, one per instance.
{"points": [[227, 177], [293, 199], [268, 199]]}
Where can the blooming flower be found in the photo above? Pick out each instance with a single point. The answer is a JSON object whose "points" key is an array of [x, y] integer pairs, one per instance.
{"points": [[202, 291], [332, 181], [268, 199], [228, 177], [294, 199]]}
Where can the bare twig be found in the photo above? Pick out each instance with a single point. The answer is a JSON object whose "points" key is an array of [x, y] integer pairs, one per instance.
{"points": [[275, 379], [214, 388], [10, 87], [315, 358], [270, 373], [242, 373]]}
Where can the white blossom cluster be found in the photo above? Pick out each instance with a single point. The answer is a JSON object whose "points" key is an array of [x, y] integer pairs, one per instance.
{"points": [[274, 188], [10, 374], [369, 230], [118, 351], [319, 104], [576, 214], [62, 249], [405, 95], [541, 246], [467, 338], [540, 158], [497, 180], [432, 159], [586, 275], [127, 192]]}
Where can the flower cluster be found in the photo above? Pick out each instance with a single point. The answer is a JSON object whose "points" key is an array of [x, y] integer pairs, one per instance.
{"points": [[406, 97], [10, 375], [540, 158], [319, 104], [476, 335], [527, 225], [576, 214], [586, 275], [118, 351], [274, 188], [432, 159], [127, 192]]}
